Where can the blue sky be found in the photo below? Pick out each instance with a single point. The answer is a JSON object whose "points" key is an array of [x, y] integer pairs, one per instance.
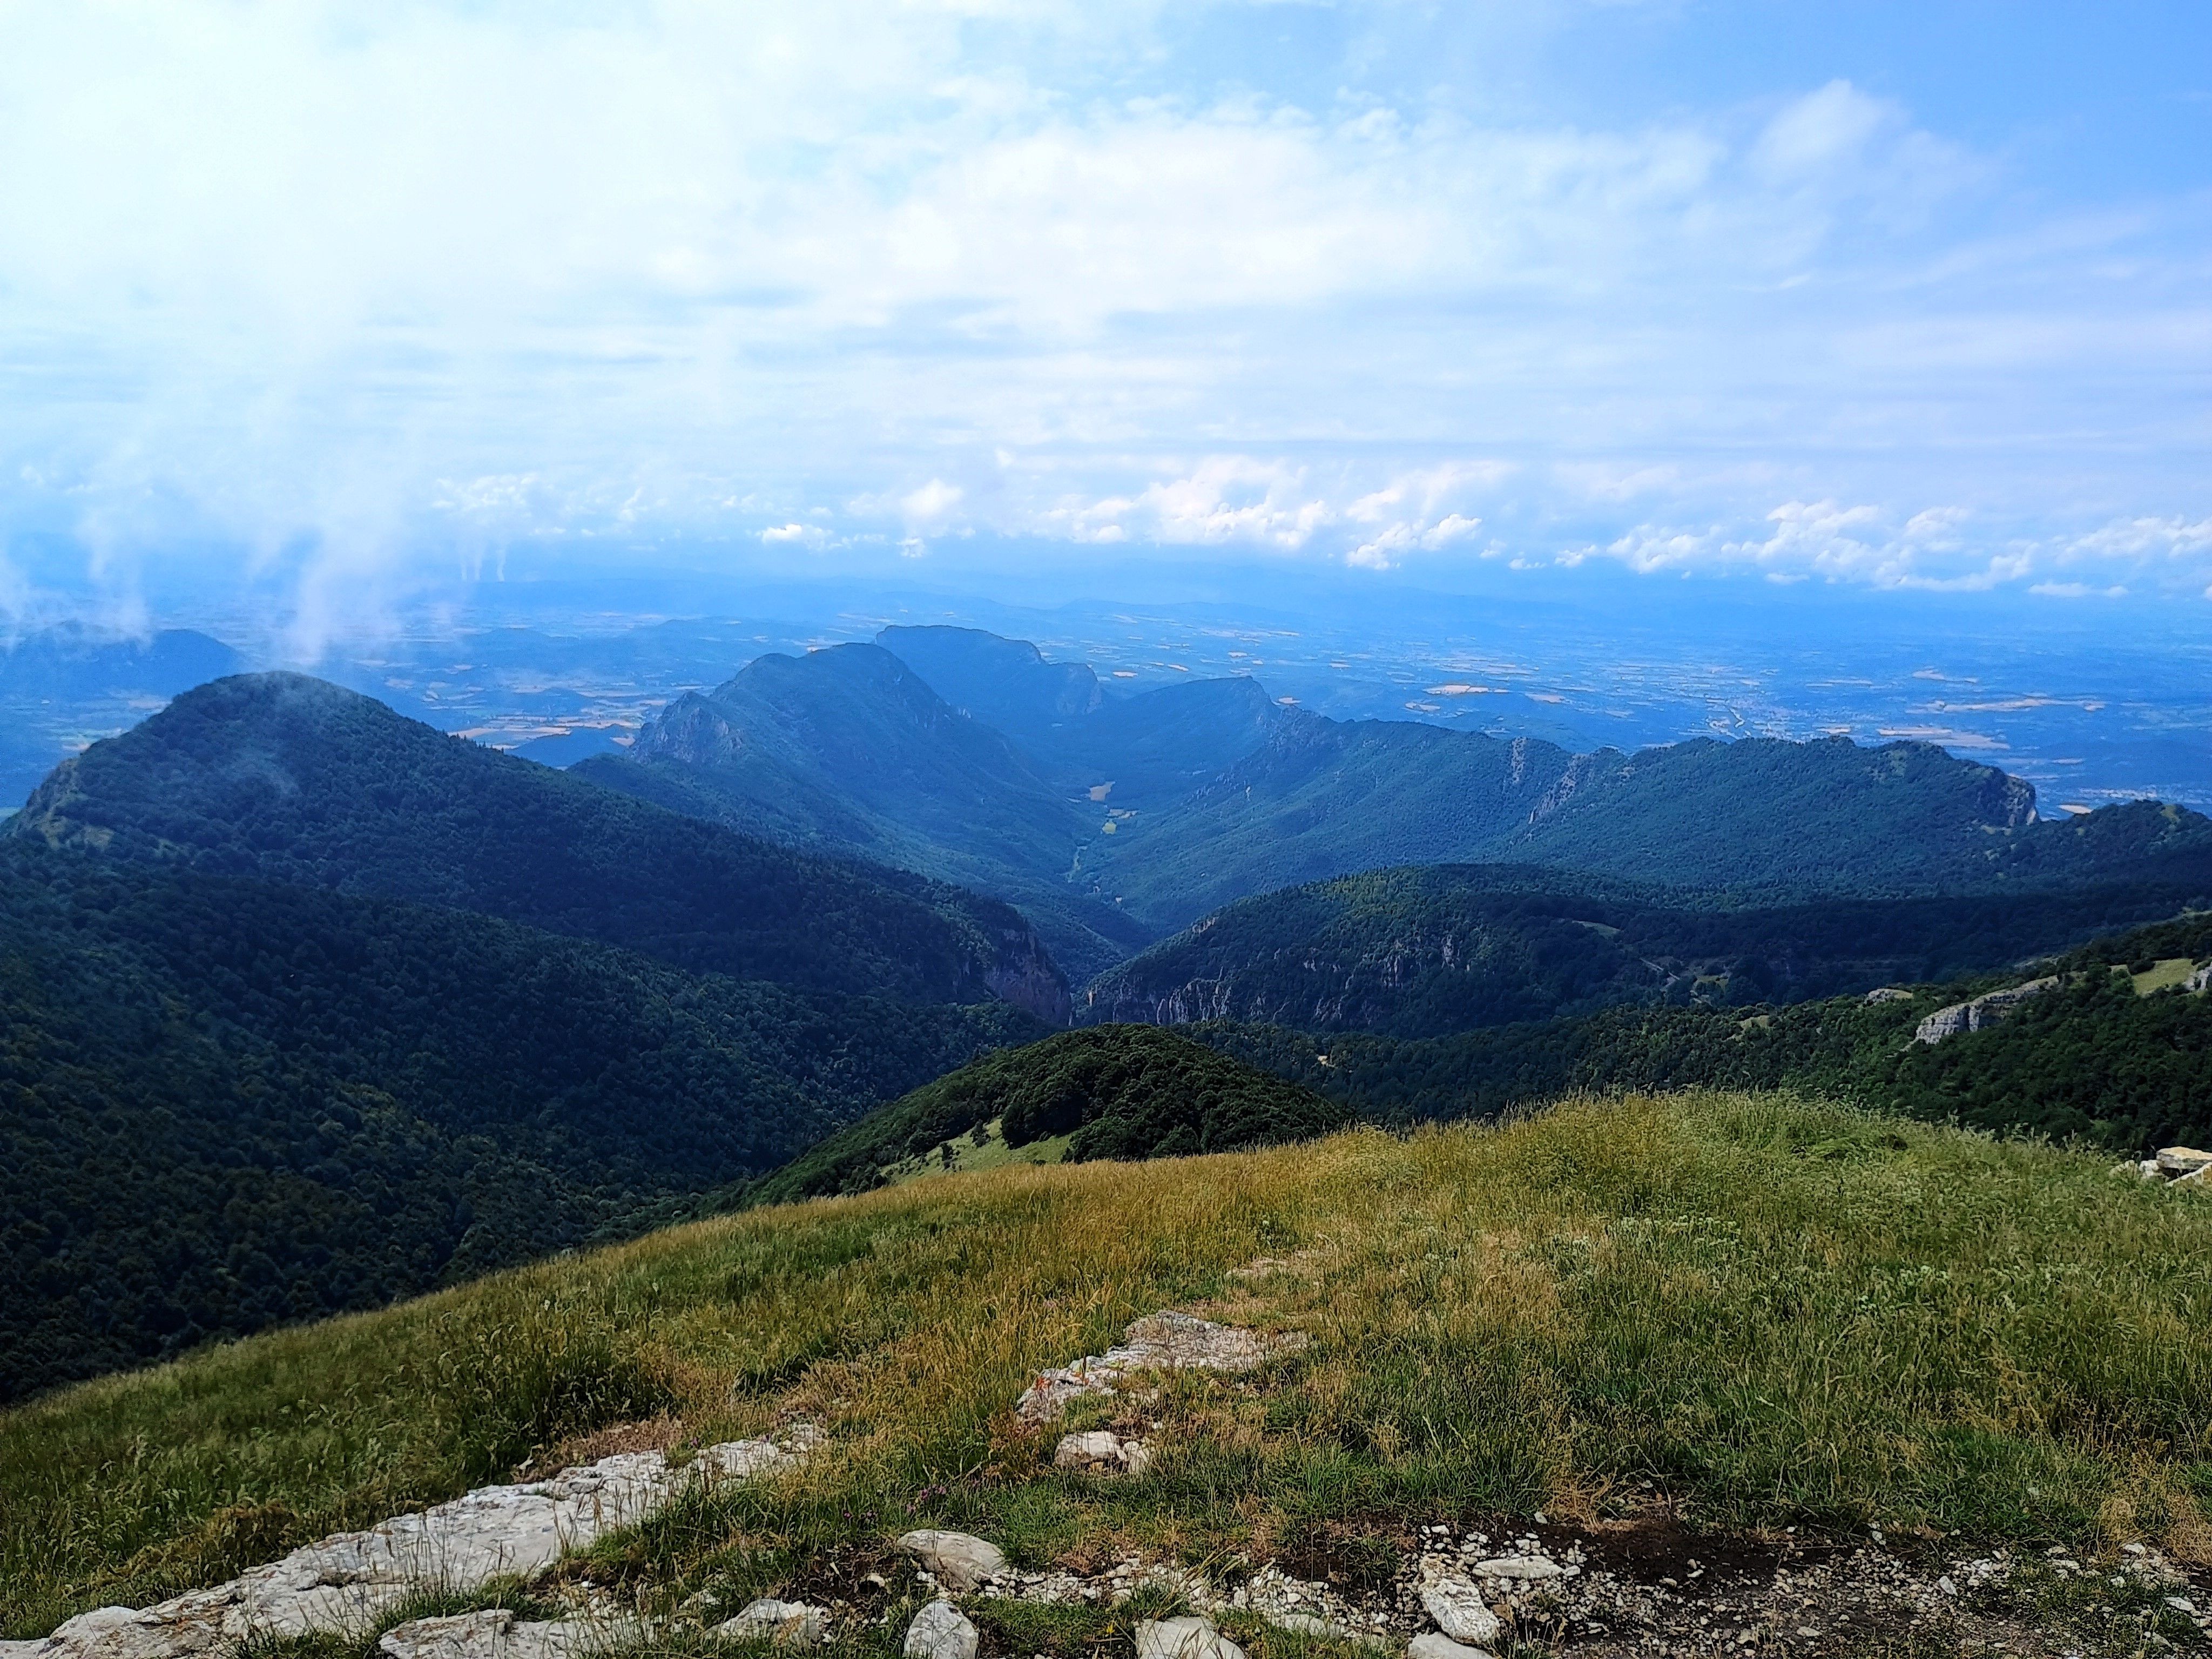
{"points": [[328, 298]]}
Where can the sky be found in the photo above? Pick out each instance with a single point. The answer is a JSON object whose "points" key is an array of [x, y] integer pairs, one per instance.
{"points": [[333, 300]]}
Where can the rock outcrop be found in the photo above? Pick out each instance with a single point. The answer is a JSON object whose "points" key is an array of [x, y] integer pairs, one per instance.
{"points": [[346, 1580], [1984, 1010], [1166, 1341]]}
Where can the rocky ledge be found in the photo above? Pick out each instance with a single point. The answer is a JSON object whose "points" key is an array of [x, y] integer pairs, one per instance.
{"points": [[346, 1582]]}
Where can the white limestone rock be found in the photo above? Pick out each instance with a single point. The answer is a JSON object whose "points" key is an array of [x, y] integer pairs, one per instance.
{"points": [[463, 1635], [496, 1634], [787, 1624], [352, 1578], [1183, 1638], [1430, 1645], [1103, 1452], [957, 1560], [940, 1631], [1525, 1568], [1163, 1341], [1984, 1010], [1460, 1610]]}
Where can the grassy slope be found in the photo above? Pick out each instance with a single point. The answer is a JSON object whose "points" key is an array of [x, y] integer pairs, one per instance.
{"points": [[1779, 1313]]}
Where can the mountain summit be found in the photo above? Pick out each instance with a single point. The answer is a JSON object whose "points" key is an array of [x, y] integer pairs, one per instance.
{"points": [[292, 778]]}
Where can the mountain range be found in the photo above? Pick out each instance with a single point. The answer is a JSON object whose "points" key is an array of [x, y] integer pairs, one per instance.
{"points": [[1114, 820], [308, 1004]]}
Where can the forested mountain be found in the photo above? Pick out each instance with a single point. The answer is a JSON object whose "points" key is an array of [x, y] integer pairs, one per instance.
{"points": [[225, 1102], [293, 780], [1441, 948], [56, 684], [1120, 1091], [1005, 683], [1143, 750], [2118, 1058], [1113, 820], [1759, 817], [847, 750]]}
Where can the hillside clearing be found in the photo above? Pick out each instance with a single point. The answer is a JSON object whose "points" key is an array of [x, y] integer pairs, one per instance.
{"points": [[1745, 1312]]}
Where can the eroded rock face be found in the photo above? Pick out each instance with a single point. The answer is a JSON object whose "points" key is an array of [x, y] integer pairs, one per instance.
{"points": [[1984, 1010], [351, 1578], [1165, 1342], [957, 1560]]}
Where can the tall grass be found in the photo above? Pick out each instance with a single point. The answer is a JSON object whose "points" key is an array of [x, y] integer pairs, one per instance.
{"points": [[1774, 1312]]}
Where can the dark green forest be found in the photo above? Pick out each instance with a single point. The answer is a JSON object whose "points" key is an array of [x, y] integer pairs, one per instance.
{"points": [[1436, 949], [2093, 1061], [293, 780], [225, 1103], [1120, 1092]]}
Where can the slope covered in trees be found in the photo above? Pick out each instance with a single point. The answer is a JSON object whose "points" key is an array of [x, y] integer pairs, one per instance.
{"points": [[1440, 948], [2094, 1059], [225, 1102], [1113, 820], [846, 750], [293, 780], [1117, 1091]]}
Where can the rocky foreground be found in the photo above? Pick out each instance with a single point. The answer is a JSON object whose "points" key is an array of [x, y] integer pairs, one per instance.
{"points": [[1602, 1589]]}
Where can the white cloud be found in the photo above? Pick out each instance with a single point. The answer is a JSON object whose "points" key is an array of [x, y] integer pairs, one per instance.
{"points": [[932, 503], [334, 282]]}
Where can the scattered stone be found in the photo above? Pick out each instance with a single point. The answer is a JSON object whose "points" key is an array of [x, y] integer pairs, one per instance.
{"points": [[957, 1560], [1984, 1010], [1430, 1645], [1102, 1451], [1183, 1638], [1165, 1342], [352, 1578], [1521, 1566], [1889, 993], [1460, 1610], [787, 1624], [940, 1631]]}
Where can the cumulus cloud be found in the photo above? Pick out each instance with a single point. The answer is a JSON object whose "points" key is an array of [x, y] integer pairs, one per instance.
{"points": [[337, 284]]}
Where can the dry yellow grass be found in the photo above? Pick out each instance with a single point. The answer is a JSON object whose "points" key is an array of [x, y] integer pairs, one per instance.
{"points": [[1773, 1312]]}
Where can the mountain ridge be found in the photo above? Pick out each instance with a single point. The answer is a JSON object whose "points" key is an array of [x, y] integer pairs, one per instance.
{"points": [[292, 778]]}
